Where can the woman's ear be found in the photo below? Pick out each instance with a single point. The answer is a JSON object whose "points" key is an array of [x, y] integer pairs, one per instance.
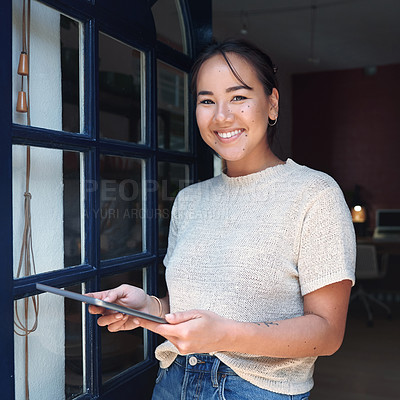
{"points": [[274, 104]]}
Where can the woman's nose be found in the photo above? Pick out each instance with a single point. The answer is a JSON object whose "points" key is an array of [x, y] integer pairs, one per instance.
{"points": [[223, 113]]}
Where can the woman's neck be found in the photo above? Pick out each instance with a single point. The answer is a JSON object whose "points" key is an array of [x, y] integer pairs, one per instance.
{"points": [[241, 168]]}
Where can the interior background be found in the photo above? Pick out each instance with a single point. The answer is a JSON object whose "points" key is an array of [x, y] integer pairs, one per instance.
{"points": [[339, 72]]}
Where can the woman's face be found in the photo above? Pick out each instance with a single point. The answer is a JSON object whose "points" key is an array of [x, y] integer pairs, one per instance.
{"points": [[233, 119]]}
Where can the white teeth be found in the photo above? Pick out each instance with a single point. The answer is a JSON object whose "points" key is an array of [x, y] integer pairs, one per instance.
{"points": [[226, 135]]}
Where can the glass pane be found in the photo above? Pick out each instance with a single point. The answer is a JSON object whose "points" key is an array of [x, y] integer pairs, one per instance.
{"points": [[55, 208], [73, 254], [69, 32], [55, 348], [169, 24], [172, 108], [172, 177], [120, 91], [74, 368], [122, 204], [55, 69], [122, 350]]}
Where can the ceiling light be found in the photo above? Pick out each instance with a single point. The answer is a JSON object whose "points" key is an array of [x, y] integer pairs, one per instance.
{"points": [[243, 20], [312, 58]]}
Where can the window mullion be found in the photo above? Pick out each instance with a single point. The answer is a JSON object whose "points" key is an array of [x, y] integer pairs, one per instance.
{"points": [[6, 287], [92, 201]]}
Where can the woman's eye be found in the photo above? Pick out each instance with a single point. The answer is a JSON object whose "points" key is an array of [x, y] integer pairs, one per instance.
{"points": [[206, 101], [239, 98]]}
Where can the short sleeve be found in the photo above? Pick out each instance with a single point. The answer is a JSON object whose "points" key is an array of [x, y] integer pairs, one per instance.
{"points": [[327, 247]]}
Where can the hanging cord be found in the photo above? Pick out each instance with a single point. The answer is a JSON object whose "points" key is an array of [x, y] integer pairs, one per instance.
{"points": [[28, 34], [24, 49], [26, 259]]}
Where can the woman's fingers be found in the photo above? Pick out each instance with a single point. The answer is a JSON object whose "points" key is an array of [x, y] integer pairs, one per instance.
{"points": [[110, 296], [96, 310], [117, 322], [125, 295], [108, 319]]}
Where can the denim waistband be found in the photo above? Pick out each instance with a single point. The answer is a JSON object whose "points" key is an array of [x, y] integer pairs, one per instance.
{"points": [[189, 371], [206, 364]]}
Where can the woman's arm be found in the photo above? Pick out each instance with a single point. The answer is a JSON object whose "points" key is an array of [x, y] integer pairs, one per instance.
{"points": [[319, 332]]}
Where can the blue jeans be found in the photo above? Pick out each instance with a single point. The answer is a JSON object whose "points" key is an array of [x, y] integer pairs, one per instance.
{"points": [[204, 377]]}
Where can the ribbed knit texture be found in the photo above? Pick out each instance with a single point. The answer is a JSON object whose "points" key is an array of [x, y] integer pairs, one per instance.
{"points": [[248, 249]]}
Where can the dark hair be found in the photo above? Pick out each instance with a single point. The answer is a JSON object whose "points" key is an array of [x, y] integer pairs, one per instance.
{"points": [[260, 61]]}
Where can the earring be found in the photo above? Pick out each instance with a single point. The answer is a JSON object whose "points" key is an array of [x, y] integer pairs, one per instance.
{"points": [[274, 123]]}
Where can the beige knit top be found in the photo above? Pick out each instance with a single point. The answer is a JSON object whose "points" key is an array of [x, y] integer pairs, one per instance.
{"points": [[249, 248]]}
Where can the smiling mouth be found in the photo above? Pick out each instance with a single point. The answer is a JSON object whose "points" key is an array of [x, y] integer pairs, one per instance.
{"points": [[227, 135]]}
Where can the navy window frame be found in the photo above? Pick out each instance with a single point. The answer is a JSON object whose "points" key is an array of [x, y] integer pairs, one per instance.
{"points": [[136, 29]]}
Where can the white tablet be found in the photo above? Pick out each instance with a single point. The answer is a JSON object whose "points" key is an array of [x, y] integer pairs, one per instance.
{"points": [[100, 303]]}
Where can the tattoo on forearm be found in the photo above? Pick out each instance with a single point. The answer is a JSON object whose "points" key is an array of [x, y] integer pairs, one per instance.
{"points": [[268, 324]]}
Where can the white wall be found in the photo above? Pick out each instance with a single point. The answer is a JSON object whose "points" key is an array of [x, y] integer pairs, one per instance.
{"points": [[46, 345]]}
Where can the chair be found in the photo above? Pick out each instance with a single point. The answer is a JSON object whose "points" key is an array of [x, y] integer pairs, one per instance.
{"points": [[367, 268]]}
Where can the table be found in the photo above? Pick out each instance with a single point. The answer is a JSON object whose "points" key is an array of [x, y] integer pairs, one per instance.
{"points": [[383, 246]]}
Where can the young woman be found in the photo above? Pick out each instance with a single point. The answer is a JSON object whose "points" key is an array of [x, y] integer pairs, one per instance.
{"points": [[260, 259]]}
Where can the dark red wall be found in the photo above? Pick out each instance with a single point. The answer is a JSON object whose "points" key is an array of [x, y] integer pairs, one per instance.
{"points": [[347, 124]]}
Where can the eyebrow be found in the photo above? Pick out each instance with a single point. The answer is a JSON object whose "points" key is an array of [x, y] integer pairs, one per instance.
{"points": [[234, 88], [205, 93], [228, 90]]}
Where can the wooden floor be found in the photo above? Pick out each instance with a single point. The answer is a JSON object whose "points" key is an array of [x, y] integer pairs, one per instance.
{"points": [[367, 366]]}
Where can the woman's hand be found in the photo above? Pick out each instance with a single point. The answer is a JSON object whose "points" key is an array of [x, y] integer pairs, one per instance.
{"points": [[124, 295], [193, 331]]}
